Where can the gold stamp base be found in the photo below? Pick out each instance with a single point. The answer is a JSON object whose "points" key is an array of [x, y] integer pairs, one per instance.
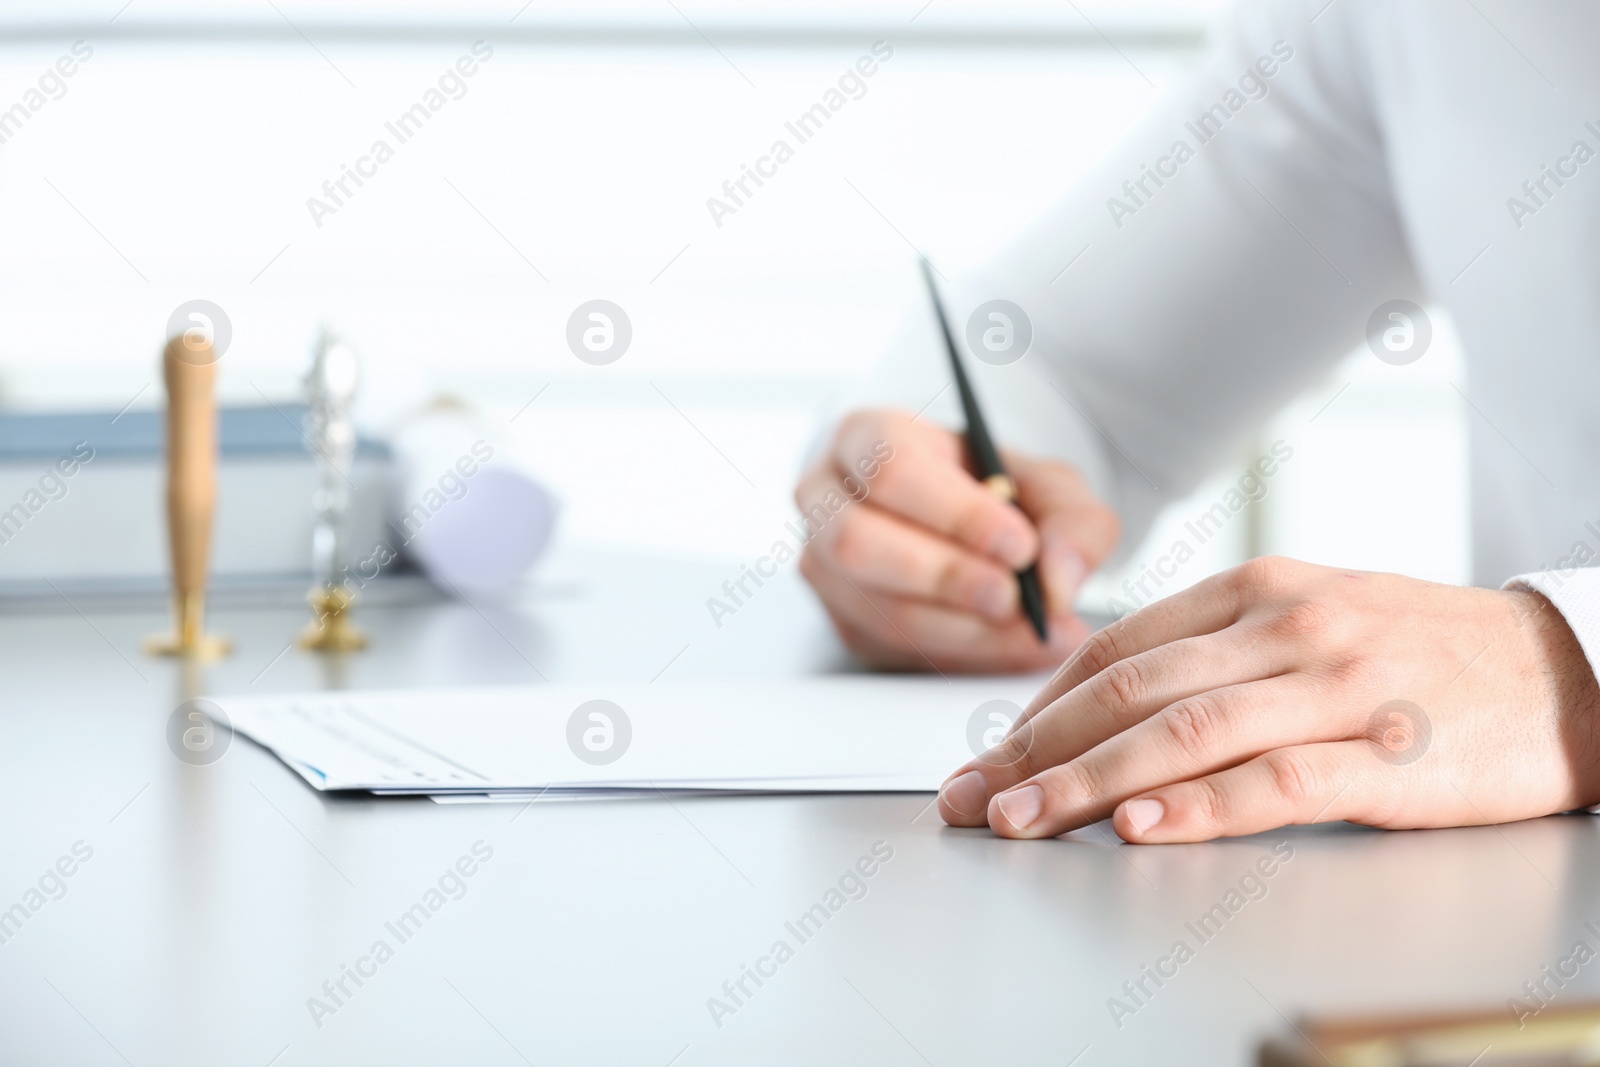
{"points": [[190, 639], [208, 647], [331, 629]]}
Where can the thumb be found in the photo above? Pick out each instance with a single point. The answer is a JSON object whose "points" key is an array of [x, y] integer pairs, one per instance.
{"points": [[1076, 531]]}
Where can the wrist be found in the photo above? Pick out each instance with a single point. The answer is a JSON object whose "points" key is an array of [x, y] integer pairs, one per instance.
{"points": [[1564, 681]]}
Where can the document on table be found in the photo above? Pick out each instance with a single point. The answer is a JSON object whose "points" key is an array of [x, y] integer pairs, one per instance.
{"points": [[812, 735]]}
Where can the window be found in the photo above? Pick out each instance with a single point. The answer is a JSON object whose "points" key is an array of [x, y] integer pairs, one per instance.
{"points": [[226, 152]]}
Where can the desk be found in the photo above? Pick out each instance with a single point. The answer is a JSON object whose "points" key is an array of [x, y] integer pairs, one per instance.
{"points": [[218, 899]]}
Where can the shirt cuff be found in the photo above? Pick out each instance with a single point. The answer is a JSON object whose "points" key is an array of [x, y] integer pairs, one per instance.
{"points": [[1576, 594]]}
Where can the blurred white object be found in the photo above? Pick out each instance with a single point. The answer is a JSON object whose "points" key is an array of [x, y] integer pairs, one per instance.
{"points": [[469, 513]]}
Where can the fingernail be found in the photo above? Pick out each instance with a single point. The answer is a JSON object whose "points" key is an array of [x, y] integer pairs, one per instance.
{"points": [[1064, 570], [997, 598], [1021, 806], [1145, 813], [1011, 548], [967, 794]]}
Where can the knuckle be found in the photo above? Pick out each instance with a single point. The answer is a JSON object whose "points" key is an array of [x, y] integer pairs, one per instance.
{"points": [[1210, 804], [847, 542], [1261, 577], [1197, 726], [1308, 619], [890, 477], [979, 518], [1344, 674], [1015, 752], [1387, 811], [1084, 781], [1021, 753], [954, 580], [1123, 686], [1102, 649], [1292, 776]]}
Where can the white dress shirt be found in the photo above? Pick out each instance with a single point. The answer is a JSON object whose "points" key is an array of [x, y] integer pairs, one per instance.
{"points": [[1352, 153]]}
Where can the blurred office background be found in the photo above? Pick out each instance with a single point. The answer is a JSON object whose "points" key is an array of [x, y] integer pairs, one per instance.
{"points": [[178, 162]]}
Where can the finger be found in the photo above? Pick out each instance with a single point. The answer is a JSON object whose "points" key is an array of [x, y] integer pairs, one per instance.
{"points": [[883, 553], [867, 648], [1199, 735], [1077, 532], [1120, 700], [1204, 608], [823, 486], [923, 479], [921, 635], [871, 648], [1288, 786], [924, 635]]}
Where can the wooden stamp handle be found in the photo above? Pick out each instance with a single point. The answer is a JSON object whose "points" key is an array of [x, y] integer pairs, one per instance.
{"points": [[190, 369]]}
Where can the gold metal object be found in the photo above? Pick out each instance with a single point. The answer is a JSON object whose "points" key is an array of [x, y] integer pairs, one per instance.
{"points": [[189, 367], [331, 629], [189, 638], [1002, 487]]}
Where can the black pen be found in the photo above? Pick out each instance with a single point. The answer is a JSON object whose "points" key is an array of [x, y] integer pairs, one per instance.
{"points": [[985, 458]]}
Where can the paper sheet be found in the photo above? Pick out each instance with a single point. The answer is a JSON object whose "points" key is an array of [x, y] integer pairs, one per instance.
{"points": [[835, 734]]}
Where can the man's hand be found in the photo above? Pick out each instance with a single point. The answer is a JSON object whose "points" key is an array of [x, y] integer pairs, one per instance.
{"points": [[1281, 692], [917, 571]]}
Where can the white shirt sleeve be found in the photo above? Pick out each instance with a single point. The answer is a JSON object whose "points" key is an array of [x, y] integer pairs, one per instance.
{"points": [[1171, 315]]}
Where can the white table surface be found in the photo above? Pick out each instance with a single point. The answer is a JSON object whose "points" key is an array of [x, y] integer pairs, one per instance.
{"points": [[219, 899]]}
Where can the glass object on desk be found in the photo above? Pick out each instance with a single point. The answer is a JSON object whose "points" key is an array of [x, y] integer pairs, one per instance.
{"points": [[330, 389]]}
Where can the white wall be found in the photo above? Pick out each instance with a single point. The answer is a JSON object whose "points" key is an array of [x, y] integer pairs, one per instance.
{"points": [[179, 166]]}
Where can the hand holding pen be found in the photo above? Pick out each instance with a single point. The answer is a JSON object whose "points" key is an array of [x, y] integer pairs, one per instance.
{"points": [[921, 572]]}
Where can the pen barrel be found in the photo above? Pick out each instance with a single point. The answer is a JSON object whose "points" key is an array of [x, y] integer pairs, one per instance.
{"points": [[189, 368]]}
